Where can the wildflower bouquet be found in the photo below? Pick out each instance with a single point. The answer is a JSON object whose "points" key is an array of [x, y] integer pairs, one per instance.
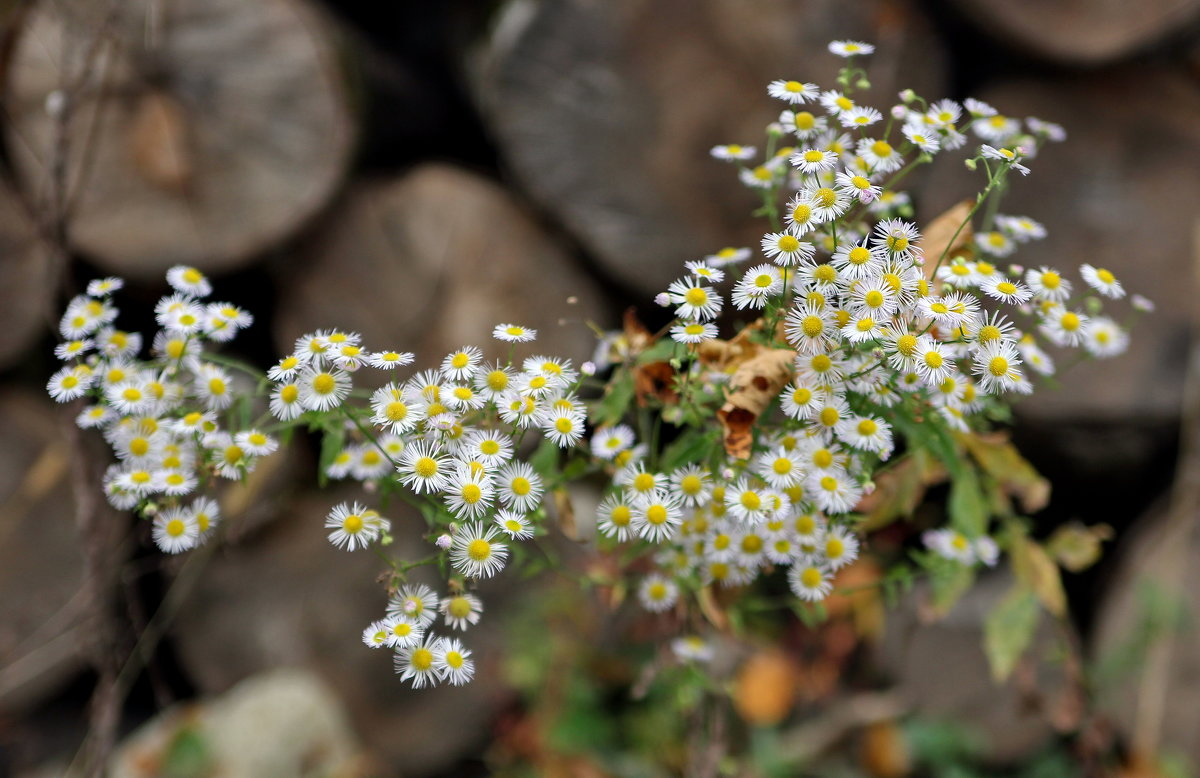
{"points": [[871, 352]]}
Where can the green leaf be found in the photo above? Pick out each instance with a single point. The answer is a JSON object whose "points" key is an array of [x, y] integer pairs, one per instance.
{"points": [[691, 447], [950, 580], [618, 394], [661, 351], [968, 506], [545, 459], [332, 444], [1008, 630]]}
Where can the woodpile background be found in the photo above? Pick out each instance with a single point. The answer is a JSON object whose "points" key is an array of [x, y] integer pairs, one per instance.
{"points": [[421, 171]]}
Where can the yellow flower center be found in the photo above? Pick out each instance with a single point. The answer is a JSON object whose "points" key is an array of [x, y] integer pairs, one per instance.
{"points": [[620, 515], [810, 578], [998, 366], [426, 467], [933, 359], [829, 416], [479, 549], [323, 383], [867, 427], [175, 527]]}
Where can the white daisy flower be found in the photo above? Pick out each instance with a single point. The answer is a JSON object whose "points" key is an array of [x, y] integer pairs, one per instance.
{"points": [[794, 92], [786, 250], [102, 287], [476, 553], [1103, 337], [615, 517], [867, 434], [727, 256], [814, 160], [800, 399], [656, 515], [173, 532], [693, 332], [692, 484], [839, 548], [998, 366], [415, 663], [859, 116], [69, 383], [188, 280], [514, 333], [389, 360], [323, 389], [513, 524], [732, 152], [850, 48], [453, 662], [833, 491], [461, 365], [461, 611], [999, 287], [415, 602], [694, 300], [810, 582], [1103, 281], [657, 593], [1063, 327]]}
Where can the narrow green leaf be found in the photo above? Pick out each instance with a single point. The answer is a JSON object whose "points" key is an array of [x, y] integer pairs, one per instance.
{"points": [[1009, 629]]}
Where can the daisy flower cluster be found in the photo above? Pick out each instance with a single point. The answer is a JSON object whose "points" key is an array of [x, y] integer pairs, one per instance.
{"points": [[168, 414], [446, 439], [449, 438], [887, 337]]}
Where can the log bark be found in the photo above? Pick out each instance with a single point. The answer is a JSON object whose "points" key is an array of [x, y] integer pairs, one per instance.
{"points": [[201, 131]]}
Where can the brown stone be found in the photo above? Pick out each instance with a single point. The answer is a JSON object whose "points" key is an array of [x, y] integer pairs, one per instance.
{"points": [[940, 671], [200, 131], [432, 261], [28, 280], [1145, 649], [606, 111], [42, 624], [1081, 32], [1120, 193]]}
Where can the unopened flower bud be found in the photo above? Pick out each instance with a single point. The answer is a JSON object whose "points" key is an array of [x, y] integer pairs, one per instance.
{"points": [[588, 368], [868, 487], [908, 95], [443, 541], [1093, 306], [862, 83], [1143, 304], [971, 164], [899, 112], [1016, 270], [661, 299], [727, 474], [865, 196]]}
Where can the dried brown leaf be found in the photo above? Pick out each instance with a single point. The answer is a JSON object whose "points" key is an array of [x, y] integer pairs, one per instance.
{"points": [[941, 231], [754, 385], [766, 686], [158, 142]]}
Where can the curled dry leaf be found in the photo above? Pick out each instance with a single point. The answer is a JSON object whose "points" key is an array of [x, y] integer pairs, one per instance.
{"points": [[755, 383]]}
